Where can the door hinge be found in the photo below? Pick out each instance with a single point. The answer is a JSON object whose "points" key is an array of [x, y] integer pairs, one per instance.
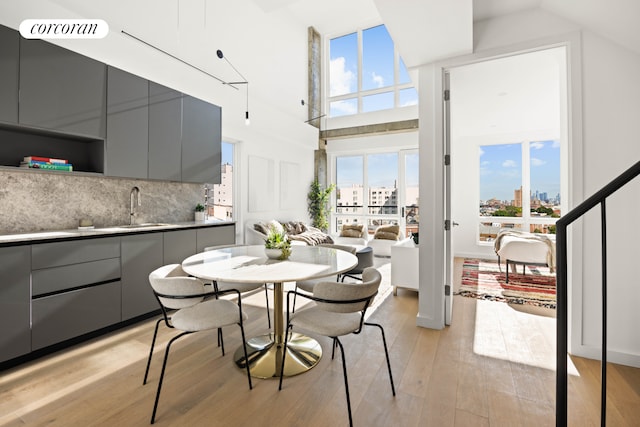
{"points": [[447, 224], [446, 94], [447, 159], [447, 290]]}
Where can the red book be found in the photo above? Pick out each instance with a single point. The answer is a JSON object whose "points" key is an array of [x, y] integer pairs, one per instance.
{"points": [[45, 159]]}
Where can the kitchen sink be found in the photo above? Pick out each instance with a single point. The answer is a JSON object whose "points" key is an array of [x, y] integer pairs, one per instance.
{"points": [[135, 226], [144, 225]]}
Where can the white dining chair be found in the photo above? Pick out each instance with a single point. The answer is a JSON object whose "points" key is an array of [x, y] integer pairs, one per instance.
{"points": [[187, 306], [339, 310]]}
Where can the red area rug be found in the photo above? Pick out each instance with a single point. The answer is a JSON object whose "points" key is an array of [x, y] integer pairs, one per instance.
{"points": [[483, 279]]}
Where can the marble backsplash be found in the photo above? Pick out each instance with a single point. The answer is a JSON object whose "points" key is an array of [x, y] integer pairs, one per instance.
{"points": [[36, 201]]}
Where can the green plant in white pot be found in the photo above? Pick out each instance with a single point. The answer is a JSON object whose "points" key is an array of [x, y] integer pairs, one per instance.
{"points": [[199, 212], [277, 244]]}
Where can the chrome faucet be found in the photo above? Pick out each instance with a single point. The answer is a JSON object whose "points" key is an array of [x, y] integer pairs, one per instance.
{"points": [[134, 197]]}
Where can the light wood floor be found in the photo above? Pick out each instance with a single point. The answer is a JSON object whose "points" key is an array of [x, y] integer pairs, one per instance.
{"points": [[494, 366]]}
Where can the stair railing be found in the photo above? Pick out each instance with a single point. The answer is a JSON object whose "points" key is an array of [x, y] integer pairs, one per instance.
{"points": [[599, 198]]}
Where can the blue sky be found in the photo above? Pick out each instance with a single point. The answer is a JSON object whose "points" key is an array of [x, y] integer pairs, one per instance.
{"points": [[227, 153], [377, 72], [501, 169], [382, 170]]}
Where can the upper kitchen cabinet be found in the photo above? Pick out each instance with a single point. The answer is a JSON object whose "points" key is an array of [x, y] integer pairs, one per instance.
{"points": [[61, 90], [201, 141], [9, 69], [165, 132], [127, 124]]}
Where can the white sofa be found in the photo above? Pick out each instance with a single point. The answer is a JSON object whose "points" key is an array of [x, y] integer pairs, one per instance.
{"points": [[404, 265], [255, 237], [361, 240], [382, 247]]}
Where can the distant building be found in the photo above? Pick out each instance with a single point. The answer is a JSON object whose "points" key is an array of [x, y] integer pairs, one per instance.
{"points": [[220, 201]]}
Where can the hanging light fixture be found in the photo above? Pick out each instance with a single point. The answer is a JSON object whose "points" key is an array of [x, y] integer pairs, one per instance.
{"points": [[243, 82]]}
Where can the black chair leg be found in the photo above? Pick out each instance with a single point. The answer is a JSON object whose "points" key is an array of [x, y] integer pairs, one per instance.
{"points": [[295, 295], [153, 343], [386, 353], [220, 340], [164, 366], [266, 297], [346, 382], [246, 358], [284, 354]]}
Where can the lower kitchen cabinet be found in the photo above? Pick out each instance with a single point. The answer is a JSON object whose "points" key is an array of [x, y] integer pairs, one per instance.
{"points": [[15, 301], [215, 236], [140, 255], [179, 245], [60, 317]]}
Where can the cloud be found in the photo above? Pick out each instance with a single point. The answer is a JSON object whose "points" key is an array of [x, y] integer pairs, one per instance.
{"points": [[481, 151], [509, 164], [410, 102], [343, 108], [537, 145], [555, 143], [485, 163], [341, 80], [537, 162], [378, 80]]}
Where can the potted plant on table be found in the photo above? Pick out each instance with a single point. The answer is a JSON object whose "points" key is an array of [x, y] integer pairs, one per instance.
{"points": [[277, 244], [199, 212]]}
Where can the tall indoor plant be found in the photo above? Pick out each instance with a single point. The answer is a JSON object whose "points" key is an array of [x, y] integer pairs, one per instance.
{"points": [[318, 205]]}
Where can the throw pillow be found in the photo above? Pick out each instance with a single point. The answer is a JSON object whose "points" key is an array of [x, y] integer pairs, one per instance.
{"points": [[387, 232], [275, 224], [261, 227], [353, 230]]}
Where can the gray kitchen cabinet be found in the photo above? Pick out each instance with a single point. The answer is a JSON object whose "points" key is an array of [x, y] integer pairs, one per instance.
{"points": [[75, 289], [9, 70], [15, 301], [63, 316], [127, 124], [178, 245], [61, 90], [141, 254], [215, 236], [201, 141], [165, 133]]}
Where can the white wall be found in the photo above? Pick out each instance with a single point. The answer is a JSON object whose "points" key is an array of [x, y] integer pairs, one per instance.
{"points": [[604, 143], [247, 35]]}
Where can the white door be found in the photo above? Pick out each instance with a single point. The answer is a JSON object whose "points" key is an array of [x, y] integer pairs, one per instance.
{"points": [[449, 223]]}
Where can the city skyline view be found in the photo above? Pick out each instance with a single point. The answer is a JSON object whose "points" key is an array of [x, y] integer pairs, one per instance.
{"points": [[501, 169]]}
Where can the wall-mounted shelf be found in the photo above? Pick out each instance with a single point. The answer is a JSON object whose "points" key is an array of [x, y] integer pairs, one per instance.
{"points": [[84, 153]]}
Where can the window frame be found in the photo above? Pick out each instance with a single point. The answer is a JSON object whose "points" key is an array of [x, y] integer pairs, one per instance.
{"points": [[359, 94]]}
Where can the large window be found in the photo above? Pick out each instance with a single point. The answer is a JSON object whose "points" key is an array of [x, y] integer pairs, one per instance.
{"points": [[220, 196], [519, 187], [377, 189], [367, 74]]}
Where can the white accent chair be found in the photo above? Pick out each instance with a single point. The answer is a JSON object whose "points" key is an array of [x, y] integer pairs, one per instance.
{"points": [[186, 309], [405, 265]]}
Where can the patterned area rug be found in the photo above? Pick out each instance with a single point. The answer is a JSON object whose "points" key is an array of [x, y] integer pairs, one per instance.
{"points": [[483, 279]]}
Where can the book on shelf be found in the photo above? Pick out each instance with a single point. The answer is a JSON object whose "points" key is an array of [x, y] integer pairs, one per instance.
{"points": [[45, 160], [49, 166]]}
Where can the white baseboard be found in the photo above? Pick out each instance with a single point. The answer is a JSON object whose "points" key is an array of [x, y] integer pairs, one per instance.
{"points": [[617, 357]]}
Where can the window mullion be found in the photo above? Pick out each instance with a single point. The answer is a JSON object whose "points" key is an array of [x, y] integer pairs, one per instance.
{"points": [[526, 185], [359, 92]]}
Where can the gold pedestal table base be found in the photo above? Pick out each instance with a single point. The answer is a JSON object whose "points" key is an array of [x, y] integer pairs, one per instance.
{"points": [[265, 355]]}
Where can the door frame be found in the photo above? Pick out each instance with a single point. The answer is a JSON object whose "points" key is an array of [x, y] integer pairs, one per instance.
{"points": [[431, 307]]}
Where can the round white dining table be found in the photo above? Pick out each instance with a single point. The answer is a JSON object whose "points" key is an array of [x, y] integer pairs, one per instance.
{"points": [[249, 264]]}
